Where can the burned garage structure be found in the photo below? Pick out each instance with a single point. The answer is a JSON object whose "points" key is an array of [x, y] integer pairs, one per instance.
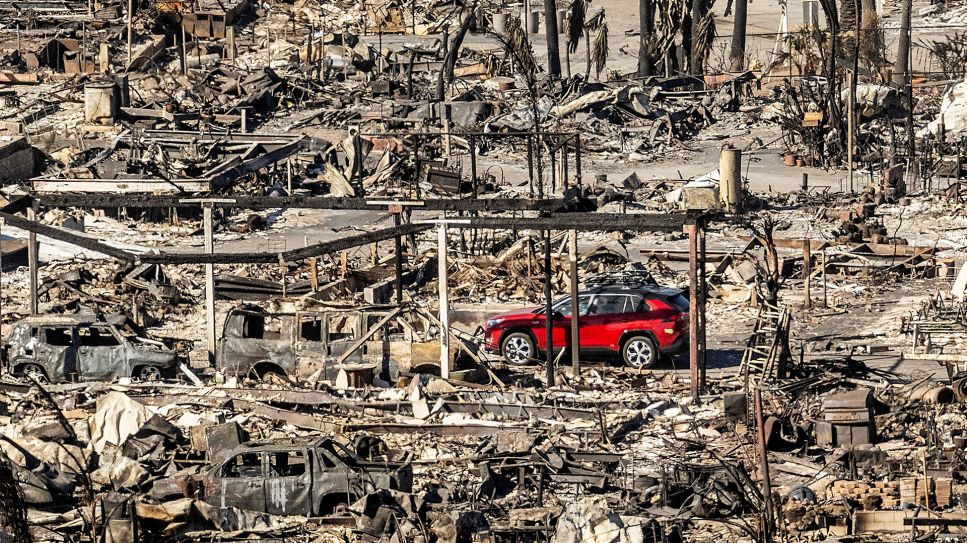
{"points": [[483, 272]]}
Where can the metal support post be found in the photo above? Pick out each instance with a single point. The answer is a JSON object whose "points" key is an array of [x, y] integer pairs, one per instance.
{"points": [[693, 319], [575, 307], [398, 221], [806, 272], [32, 249], [548, 311], [764, 468], [444, 302], [702, 297], [210, 284]]}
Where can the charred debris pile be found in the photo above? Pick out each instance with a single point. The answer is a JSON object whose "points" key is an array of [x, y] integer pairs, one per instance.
{"points": [[290, 270]]}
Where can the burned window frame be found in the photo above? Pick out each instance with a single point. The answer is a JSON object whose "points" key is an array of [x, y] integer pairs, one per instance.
{"points": [[98, 327], [230, 462], [72, 336], [270, 462]]}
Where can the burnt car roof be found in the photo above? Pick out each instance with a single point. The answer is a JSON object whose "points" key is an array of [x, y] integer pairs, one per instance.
{"points": [[634, 289], [281, 444], [255, 310], [61, 319]]}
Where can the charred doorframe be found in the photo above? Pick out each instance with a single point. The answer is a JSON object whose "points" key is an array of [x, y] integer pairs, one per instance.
{"points": [[557, 142], [694, 225]]}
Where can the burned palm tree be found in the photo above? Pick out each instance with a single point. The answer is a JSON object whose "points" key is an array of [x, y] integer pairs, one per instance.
{"points": [[518, 49], [445, 77], [574, 27], [598, 54], [703, 40]]}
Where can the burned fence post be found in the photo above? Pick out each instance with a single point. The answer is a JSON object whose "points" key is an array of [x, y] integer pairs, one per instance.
{"points": [[575, 309], [548, 310], [444, 303], [32, 250]]}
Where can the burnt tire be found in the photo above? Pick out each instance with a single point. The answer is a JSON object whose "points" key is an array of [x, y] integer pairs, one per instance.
{"points": [[640, 352], [34, 373], [148, 373], [518, 348], [273, 378]]}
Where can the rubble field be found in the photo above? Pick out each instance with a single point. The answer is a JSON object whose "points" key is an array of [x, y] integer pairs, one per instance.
{"points": [[483, 272]]}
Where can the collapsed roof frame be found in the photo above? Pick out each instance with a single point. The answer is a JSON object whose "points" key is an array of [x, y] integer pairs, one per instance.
{"points": [[274, 148], [691, 223]]}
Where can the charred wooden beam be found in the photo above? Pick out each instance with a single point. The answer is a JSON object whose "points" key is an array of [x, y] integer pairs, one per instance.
{"points": [[318, 249], [581, 221], [66, 236], [108, 201]]}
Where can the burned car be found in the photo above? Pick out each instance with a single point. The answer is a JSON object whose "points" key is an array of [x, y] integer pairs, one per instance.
{"points": [[309, 477], [63, 348], [312, 344]]}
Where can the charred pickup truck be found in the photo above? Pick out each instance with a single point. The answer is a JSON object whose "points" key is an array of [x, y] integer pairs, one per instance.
{"points": [[62, 348], [308, 477]]}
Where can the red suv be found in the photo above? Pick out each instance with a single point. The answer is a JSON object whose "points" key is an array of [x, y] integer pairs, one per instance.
{"points": [[640, 323]]}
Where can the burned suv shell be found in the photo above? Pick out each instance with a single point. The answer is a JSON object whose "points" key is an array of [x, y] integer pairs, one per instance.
{"points": [[309, 477], [62, 348], [256, 343]]}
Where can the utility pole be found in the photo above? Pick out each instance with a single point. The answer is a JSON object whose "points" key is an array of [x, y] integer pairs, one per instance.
{"points": [[646, 26], [737, 54], [553, 42]]}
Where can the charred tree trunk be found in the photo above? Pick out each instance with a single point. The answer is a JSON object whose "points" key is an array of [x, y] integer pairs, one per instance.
{"points": [[553, 41], [646, 25], [695, 61], [453, 50], [737, 54], [900, 75]]}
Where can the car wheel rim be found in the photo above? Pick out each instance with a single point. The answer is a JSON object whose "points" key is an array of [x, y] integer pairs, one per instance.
{"points": [[150, 373], [639, 353], [517, 349]]}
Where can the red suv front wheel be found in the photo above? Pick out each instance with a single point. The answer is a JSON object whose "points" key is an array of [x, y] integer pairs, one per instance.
{"points": [[640, 352], [518, 348]]}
